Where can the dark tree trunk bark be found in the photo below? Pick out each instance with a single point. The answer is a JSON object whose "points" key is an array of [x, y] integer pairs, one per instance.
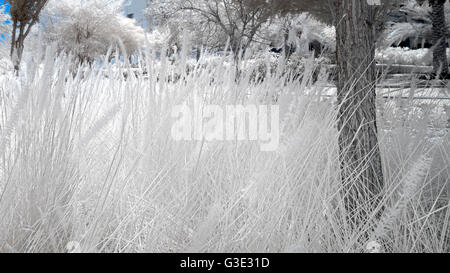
{"points": [[440, 62], [316, 46], [287, 46], [361, 168], [17, 44], [20, 46], [14, 54]]}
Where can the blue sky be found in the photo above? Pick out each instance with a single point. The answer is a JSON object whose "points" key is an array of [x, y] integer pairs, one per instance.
{"points": [[2, 2], [136, 7]]}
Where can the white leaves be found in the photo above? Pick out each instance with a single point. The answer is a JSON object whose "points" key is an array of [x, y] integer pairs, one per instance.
{"points": [[302, 28], [89, 28], [406, 56]]}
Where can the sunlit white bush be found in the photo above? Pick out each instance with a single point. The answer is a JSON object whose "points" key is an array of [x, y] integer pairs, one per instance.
{"points": [[406, 56], [87, 29]]}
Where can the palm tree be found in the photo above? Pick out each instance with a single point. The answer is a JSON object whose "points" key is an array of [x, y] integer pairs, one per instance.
{"points": [[440, 63]]}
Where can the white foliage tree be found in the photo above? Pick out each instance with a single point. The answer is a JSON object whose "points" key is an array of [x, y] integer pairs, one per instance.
{"points": [[418, 25], [299, 31], [213, 23], [87, 29], [179, 25]]}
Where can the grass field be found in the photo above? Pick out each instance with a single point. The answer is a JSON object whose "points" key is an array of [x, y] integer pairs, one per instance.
{"points": [[87, 163]]}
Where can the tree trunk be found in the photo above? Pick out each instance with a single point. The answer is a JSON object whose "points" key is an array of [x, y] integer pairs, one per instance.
{"points": [[20, 46], [361, 168], [440, 63], [13, 46], [17, 45], [316, 47]]}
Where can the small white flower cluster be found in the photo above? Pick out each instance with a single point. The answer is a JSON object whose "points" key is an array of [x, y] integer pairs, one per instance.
{"points": [[374, 247]]}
